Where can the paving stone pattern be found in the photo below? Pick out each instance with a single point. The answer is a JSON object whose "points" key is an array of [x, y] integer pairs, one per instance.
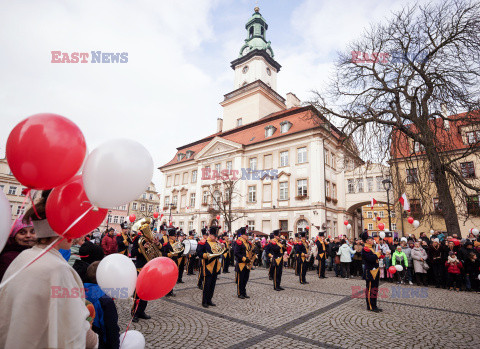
{"points": [[322, 314]]}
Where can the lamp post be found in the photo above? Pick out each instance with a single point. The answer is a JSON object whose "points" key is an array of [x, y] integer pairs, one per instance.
{"points": [[108, 217], [387, 185]]}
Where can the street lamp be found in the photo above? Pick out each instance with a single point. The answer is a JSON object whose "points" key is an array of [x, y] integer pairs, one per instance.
{"points": [[387, 185], [108, 217]]}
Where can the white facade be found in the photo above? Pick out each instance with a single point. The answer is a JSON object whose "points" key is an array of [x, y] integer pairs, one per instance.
{"points": [[256, 68]]}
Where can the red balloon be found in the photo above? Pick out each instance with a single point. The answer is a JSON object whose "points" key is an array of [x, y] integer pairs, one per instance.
{"points": [[155, 215], [66, 203], [410, 220], [218, 217], [157, 278], [161, 216], [379, 218], [381, 226], [45, 150], [346, 222], [456, 242], [132, 218], [392, 270]]}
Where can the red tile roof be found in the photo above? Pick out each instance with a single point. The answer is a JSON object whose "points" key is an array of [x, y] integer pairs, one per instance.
{"points": [[446, 139], [302, 119]]}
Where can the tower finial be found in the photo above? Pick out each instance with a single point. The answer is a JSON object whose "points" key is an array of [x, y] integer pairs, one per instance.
{"points": [[257, 9]]}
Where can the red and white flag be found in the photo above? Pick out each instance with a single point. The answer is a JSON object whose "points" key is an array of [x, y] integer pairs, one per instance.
{"points": [[404, 201], [373, 202]]}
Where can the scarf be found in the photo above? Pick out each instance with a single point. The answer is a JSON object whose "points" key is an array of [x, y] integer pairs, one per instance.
{"points": [[452, 260], [93, 293]]}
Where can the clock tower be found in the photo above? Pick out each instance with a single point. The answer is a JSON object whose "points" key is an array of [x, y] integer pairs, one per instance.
{"points": [[255, 82]]}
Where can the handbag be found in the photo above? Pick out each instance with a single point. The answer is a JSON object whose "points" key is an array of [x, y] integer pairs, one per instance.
{"points": [[425, 266]]}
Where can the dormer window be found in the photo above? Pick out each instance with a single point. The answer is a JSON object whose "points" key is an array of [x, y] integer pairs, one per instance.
{"points": [[269, 131], [239, 122], [285, 126], [189, 154], [180, 156]]}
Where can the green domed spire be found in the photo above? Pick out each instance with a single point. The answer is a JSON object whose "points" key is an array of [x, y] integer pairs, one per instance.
{"points": [[256, 29]]}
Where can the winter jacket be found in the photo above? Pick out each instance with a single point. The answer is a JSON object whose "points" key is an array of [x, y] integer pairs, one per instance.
{"points": [[472, 267], [419, 253], [345, 252], [358, 252], [454, 268], [435, 255], [408, 253], [109, 245], [397, 258], [10, 252]]}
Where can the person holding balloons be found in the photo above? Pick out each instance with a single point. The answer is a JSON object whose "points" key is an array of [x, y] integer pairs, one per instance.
{"points": [[34, 312]]}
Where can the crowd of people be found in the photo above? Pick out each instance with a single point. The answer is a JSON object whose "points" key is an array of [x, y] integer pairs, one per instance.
{"points": [[439, 260]]}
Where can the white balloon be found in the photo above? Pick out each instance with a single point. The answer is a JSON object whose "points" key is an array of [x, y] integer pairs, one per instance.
{"points": [[117, 276], [432, 231], [117, 172], [404, 239], [475, 231], [349, 226], [416, 224], [5, 219], [382, 235], [399, 267], [478, 276], [133, 340]]}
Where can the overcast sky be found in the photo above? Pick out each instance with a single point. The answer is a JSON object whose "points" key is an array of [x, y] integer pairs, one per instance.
{"points": [[178, 69]]}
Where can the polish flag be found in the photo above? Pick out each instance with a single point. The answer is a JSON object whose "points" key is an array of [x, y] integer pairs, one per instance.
{"points": [[404, 201], [373, 202]]}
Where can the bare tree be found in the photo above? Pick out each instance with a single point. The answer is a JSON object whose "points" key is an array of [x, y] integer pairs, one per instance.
{"points": [[390, 87], [224, 195]]}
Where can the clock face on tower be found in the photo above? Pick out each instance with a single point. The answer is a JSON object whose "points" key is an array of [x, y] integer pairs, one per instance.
{"points": [[245, 69], [269, 72], [246, 50]]}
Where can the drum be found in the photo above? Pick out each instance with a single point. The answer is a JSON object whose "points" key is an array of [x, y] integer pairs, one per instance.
{"points": [[190, 247]]}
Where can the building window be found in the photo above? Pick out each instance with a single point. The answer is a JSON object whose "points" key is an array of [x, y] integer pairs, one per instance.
{"points": [[167, 200], [285, 126], [190, 225], [369, 214], [229, 166], [177, 179], [267, 162], [326, 157], [142, 207], [394, 226], [194, 176], [180, 225], [415, 207], [175, 200], [333, 164], [302, 155], [369, 184], [144, 196], [253, 164], [327, 188], [251, 225], [217, 197], [302, 187], [205, 197], [269, 131], [412, 175], [468, 169], [115, 219], [218, 168], [379, 184], [20, 210], [185, 178], [283, 187], [189, 154], [252, 193], [203, 224], [351, 186], [370, 226], [110, 219], [436, 206], [284, 158], [334, 191], [239, 122], [284, 225], [360, 185], [192, 200], [150, 208], [180, 156], [473, 207], [134, 206], [12, 190], [392, 214], [122, 219], [169, 181], [302, 226], [381, 214], [417, 147]]}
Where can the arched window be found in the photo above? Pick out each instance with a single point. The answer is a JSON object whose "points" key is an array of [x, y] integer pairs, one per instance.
{"points": [[262, 31], [216, 199], [302, 225]]}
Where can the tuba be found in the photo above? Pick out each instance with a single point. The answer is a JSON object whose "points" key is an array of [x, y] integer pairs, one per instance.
{"points": [[146, 244], [178, 247], [251, 255]]}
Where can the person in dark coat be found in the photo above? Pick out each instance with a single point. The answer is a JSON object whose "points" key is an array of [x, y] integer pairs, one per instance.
{"points": [[89, 253], [21, 238]]}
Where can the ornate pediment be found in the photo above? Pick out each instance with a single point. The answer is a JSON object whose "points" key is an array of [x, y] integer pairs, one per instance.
{"points": [[218, 147]]}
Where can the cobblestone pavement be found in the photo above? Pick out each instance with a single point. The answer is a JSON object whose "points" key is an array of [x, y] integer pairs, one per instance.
{"points": [[322, 314]]}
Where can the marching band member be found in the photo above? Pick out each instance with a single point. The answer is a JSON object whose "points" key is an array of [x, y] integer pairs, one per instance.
{"points": [[244, 261], [272, 265], [226, 254], [169, 251], [123, 239], [181, 260], [296, 243], [200, 251], [275, 251], [372, 275], [211, 267], [192, 258], [302, 250], [322, 254]]}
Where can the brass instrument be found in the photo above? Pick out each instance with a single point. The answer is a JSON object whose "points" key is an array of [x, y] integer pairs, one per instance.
{"points": [[146, 244], [252, 256], [217, 250], [178, 247]]}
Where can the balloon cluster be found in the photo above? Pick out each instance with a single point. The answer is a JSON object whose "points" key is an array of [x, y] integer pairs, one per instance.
{"points": [[48, 151], [413, 222]]}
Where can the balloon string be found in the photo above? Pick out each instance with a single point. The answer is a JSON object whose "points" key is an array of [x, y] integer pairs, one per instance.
{"points": [[44, 251], [128, 326], [29, 193], [48, 248]]}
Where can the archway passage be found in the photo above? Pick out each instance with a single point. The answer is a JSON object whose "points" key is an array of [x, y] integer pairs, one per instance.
{"points": [[358, 220]]}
